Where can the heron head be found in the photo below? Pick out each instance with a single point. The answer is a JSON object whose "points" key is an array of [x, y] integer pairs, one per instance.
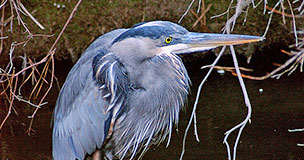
{"points": [[150, 39]]}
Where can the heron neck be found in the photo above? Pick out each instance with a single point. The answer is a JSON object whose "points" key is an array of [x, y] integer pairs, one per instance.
{"points": [[150, 111]]}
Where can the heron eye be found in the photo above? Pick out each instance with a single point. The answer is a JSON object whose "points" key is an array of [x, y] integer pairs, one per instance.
{"points": [[168, 40]]}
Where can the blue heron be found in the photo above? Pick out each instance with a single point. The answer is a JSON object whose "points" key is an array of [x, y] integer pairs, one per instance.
{"points": [[125, 92]]}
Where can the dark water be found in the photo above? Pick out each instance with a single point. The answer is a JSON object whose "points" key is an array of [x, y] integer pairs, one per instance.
{"points": [[278, 108]]}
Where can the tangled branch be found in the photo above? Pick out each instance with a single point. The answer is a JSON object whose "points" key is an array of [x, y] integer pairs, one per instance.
{"points": [[9, 75], [297, 59]]}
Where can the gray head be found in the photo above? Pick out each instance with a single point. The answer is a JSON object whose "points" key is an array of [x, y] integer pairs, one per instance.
{"points": [[166, 36]]}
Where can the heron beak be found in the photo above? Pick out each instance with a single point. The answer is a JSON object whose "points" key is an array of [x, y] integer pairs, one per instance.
{"points": [[197, 42]]}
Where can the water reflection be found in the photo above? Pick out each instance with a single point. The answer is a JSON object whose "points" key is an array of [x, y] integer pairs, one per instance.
{"points": [[275, 110], [279, 107]]}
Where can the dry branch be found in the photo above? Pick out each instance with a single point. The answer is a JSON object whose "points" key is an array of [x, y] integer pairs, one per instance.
{"points": [[17, 10], [51, 55], [298, 58]]}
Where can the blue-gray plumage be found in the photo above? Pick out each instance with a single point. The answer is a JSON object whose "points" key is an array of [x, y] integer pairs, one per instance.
{"points": [[126, 91]]}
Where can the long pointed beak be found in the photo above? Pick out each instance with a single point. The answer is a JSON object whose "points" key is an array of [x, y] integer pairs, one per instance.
{"points": [[197, 42]]}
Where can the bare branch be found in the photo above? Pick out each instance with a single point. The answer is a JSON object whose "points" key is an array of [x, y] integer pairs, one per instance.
{"points": [[187, 11], [29, 14], [241, 125], [196, 101], [13, 91]]}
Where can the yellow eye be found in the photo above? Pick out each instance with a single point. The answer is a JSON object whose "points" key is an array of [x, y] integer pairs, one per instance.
{"points": [[168, 40]]}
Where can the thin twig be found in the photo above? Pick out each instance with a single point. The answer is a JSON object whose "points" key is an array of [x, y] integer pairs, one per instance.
{"points": [[29, 14], [296, 130], [197, 99], [28, 67], [41, 76], [232, 68], [13, 91], [187, 11], [20, 98], [42, 99], [51, 55], [202, 15], [19, 18], [293, 23], [241, 125], [226, 12], [65, 25], [285, 14], [3, 3]]}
